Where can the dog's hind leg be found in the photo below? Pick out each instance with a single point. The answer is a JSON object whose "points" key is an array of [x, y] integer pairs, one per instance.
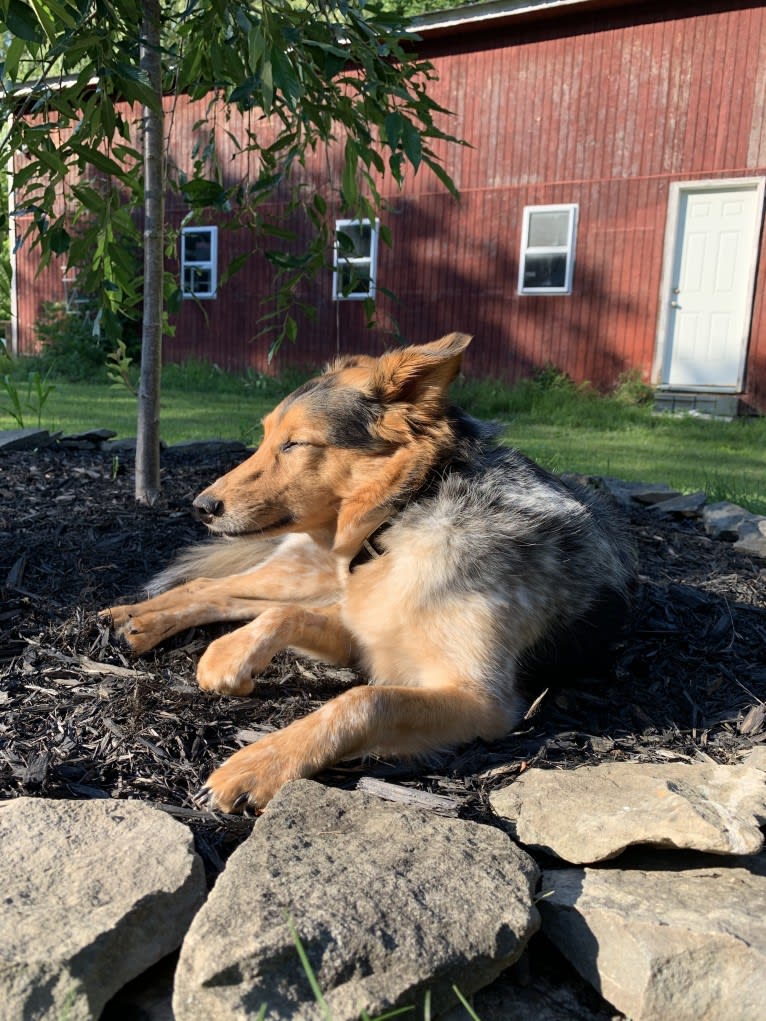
{"points": [[230, 663], [391, 720]]}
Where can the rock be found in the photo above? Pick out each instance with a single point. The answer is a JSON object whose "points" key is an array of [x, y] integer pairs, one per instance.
{"points": [[196, 447], [643, 492], [89, 440], [94, 892], [593, 813], [24, 439], [755, 758], [686, 506], [666, 940], [387, 900], [724, 520], [127, 445], [752, 537], [544, 998]]}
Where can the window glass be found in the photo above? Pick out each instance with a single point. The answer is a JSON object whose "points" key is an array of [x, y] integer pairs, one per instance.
{"points": [[197, 246], [355, 260], [545, 270], [547, 229], [546, 259]]}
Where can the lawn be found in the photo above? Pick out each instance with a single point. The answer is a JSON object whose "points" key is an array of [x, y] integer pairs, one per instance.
{"points": [[564, 427]]}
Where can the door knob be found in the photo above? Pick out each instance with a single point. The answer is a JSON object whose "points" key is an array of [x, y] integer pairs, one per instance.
{"points": [[674, 304]]}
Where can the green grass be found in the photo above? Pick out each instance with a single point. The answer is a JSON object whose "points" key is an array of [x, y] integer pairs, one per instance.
{"points": [[564, 427]]}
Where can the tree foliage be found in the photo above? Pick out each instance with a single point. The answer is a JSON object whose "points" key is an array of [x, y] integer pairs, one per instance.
{"points": [[322, 71]]}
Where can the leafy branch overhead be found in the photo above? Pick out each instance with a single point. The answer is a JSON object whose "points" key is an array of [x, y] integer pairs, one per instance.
{"points": [[337, 72]]}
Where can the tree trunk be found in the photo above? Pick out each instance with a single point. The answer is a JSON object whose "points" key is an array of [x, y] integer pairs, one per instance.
{"points": [[148, 425]]}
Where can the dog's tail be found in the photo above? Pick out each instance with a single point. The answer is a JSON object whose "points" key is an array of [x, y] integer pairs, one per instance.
{"points": [[216, 558]]}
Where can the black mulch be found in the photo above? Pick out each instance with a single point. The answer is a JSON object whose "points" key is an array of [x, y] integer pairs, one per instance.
{"points": [[80, 719]]}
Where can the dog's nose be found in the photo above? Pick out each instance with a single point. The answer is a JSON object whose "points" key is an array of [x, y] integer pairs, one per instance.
{"points": [[208, 507]]}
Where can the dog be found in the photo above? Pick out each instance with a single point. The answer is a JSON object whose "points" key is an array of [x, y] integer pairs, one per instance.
{"points": [[377, 526]]}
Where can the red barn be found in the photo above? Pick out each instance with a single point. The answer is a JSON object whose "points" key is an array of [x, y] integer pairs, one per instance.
{"points": [[610, 216]]}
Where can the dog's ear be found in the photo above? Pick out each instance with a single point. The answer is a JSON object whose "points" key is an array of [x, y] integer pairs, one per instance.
{"points": [[421, 374]]}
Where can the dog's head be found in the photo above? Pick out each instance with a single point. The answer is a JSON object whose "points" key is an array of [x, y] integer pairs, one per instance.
{"points": [[341, 448]]}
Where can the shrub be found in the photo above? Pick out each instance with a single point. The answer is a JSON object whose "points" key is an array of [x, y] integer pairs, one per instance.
{"points": [[631, 389], [70, 348], [76, 345]]}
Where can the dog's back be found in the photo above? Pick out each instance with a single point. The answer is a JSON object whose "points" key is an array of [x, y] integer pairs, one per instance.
{"points": [[545, 559]]}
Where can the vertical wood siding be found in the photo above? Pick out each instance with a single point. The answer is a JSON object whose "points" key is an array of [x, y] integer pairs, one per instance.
{"points": [[604, 109]]}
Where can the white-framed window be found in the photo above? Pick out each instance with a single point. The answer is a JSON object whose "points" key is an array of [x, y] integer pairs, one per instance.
{"points": [[199, 262], [548, 236], [355, 259]]}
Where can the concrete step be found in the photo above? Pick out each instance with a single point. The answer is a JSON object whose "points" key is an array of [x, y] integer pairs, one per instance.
{"points": [[715, 404]]}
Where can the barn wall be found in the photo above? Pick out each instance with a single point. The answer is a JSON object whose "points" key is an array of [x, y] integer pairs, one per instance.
{"points": [[605, 109]]}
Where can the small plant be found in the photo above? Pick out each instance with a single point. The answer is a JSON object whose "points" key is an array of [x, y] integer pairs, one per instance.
{"points": [[6, 358], [118, 368], [37, 394], [11, 390]]}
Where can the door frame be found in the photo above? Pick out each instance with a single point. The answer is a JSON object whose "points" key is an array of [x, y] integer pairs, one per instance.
{"points": [[662, 347]]}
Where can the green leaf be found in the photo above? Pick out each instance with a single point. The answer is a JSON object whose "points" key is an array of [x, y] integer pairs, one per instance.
{"points": [[97, 159], [235, 265], [13, 55], [202, 192], [438, 170], [393, 126], [58, 239], [52, 161], [349, 187], [411, 142], [22, 22]]}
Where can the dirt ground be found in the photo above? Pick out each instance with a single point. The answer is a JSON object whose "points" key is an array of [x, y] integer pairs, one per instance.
{"points": [[80, 719]]}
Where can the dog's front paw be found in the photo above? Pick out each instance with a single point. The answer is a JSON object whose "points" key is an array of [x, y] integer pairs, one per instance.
{"points": [[250, 778], [136, 631], [227, 666]]}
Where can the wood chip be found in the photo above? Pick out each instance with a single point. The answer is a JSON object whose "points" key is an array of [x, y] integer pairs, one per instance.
{"points": [[438, 803]]}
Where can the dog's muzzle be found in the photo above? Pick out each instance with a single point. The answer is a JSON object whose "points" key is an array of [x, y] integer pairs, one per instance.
{"points": [[208, 507]]}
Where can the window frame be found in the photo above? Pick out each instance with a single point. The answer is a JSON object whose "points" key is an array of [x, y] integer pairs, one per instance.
{"points": [[210, 264], [371, 259], [567, 250]]}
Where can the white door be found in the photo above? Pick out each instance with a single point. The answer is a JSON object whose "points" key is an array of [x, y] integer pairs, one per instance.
{"points": [[708, 284]]}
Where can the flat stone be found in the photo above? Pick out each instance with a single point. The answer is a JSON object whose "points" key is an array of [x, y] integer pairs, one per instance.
{"points": [[665, 940], [755, 758], [723, 520], [24, 439], [127, 445], [642, 492], [752, 537], [388, 901], [208, 447], [91, 436], [542, 999], [594, 813], [688, 505], [94, 892]]}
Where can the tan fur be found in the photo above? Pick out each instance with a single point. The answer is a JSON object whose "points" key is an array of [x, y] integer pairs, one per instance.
{"points": [[392, 616]]}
